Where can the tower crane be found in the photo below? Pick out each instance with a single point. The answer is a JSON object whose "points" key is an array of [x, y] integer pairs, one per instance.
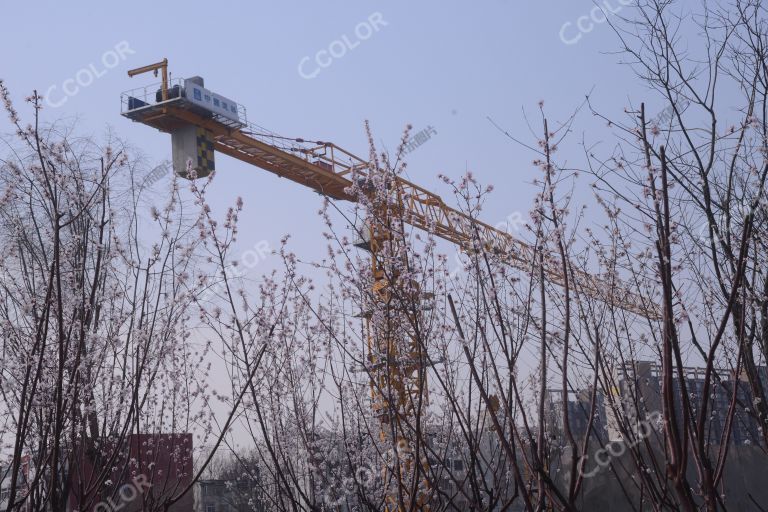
{"points": [[202, 122]]}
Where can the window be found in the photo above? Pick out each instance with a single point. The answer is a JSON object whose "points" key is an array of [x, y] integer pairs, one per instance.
{"points": [[224, 105], [458, 465], [233, 108], [210, 508], [208, 98], [215, 102], [197, 94]]}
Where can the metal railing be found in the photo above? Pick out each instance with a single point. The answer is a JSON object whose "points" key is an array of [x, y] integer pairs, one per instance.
{"points": [[143, 98]]}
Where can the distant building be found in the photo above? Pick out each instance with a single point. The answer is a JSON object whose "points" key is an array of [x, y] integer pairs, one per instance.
{"points": [[227, 496], [636, 393], [579, 406], [21, 485], [5, 488], [457, 467], [210, 496], [149, 467], [448, 468]]}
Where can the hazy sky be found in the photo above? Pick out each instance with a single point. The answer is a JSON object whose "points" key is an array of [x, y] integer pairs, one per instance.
{"points": [[446, 65]]}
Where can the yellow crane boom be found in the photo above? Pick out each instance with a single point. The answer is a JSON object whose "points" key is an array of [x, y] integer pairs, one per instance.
{"points": [[327, 168]]}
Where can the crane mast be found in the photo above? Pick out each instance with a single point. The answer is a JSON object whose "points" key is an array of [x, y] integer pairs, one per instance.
{"points": [[397, 362]]}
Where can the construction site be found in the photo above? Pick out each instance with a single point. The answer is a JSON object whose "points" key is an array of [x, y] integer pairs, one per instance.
{"points": [[200, 313]]}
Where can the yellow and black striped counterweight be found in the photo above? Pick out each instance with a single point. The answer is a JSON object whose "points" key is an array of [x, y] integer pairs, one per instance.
{"points": [[193, 148], [205, 158]]}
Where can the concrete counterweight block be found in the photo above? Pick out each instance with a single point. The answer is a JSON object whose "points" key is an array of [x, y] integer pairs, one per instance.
{"points": [[195, 144]]}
